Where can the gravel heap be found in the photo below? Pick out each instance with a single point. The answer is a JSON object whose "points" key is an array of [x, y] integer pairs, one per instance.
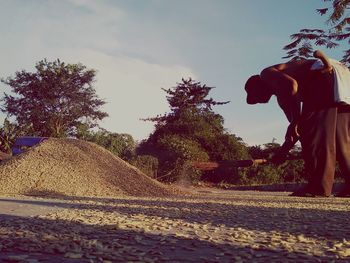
{"points": [[72, 167]]}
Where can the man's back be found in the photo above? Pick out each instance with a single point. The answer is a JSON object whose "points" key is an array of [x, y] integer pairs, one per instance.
{"points": [[299, 70]]}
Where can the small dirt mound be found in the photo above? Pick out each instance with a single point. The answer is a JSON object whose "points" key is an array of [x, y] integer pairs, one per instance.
{"points": [[72, 167]]}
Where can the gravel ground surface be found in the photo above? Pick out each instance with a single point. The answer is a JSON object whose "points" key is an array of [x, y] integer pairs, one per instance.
{"points": [[141, 220], [210, 226]]}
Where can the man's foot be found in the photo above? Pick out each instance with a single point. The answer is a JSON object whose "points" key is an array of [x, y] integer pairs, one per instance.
{"points": [[302, 193]]}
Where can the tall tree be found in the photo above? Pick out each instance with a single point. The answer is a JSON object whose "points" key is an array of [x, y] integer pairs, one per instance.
{"points": [[54, 100], [337, 31], [191, 131]]}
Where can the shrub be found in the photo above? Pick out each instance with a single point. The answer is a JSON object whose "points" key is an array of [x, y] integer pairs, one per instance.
{"points": [[147, 164], [182, 148]]}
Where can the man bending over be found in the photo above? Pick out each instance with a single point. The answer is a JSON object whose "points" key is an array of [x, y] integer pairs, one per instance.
{"points": [[314, 94]]}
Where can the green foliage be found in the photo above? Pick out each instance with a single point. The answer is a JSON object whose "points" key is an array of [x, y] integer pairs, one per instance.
{"points": [[263, 174], [122, 145], [289, 171], [293, 171], [190, 132], [337, 31], [147, 164], [54, 100], [174, 153], [179, 151], [182, 148], [226, 146], [8, 134]]}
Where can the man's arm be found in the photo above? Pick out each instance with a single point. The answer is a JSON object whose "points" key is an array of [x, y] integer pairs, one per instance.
{"points": [[282, 84], [292, 110], [286, 89]]}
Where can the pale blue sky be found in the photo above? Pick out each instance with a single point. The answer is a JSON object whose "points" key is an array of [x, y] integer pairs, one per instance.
{"points": [[141, 46]]}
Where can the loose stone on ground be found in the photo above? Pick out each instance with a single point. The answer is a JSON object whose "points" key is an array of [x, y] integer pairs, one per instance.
{"points": [[231, 226]]}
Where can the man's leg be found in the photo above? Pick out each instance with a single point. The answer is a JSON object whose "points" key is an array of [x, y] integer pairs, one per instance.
{"points": [[318, 130], [343, 145]]}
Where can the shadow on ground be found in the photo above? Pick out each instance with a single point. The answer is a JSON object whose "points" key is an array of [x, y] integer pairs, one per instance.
{"points": [[273, 214], [49, 241]]}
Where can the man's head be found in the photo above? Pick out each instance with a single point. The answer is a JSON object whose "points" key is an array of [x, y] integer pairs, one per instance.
{"points": [[257, 90]]}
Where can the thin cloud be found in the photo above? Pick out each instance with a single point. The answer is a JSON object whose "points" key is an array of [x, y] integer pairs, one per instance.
{"points": [[139, 47], [88, 34]]}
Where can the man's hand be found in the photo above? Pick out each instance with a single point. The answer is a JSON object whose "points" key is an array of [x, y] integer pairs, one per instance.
{"points": [[278, 158], [327, 68], [281, 155]]}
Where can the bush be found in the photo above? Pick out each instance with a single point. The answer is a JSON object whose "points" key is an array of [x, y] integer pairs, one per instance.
{"points": [[147, 164], [120, 144], [183, 172], [293, 171], [182, 148], [265, 174]]}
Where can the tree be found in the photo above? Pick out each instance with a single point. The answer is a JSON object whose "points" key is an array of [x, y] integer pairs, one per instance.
{"points": [[54, 100], [191, 131], [8, 134], [338, 31]]}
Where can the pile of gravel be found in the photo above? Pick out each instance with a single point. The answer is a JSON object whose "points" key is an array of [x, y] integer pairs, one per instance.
{"points": [[72, 167]]}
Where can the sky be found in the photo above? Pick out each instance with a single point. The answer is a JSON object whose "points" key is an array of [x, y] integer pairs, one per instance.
{"points": [[139, 47]]}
